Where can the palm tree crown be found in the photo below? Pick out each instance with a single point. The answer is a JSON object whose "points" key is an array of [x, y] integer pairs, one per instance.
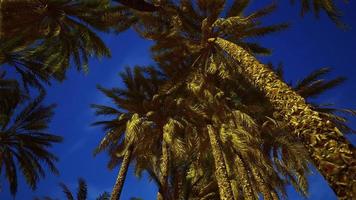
{"points": [[41, 39]]}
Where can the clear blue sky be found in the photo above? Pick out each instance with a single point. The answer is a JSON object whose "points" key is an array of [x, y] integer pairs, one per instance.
{"points": [[307, 45]]}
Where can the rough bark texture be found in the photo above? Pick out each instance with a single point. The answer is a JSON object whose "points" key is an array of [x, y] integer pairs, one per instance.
{"points": [[230, 173], [139, 5], [224, 185], [243, 177], [116, 191], [162, 192], [261, 184], [331, 153]]}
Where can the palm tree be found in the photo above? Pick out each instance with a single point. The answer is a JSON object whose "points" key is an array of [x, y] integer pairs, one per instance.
{"points": [[292, 161], [24, 141], [323, 140], [292, 107], [236, 145], [268, 183], [279, 139], [126, 132], [180, 36], [152, 126], [336, 168], [200, 145]]}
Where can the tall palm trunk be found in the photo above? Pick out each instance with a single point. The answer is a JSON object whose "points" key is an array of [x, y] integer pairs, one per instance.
{"points": [[262, 185], [116, 191], [162, 192], [243, 177], [331, 153], [224, 185], [230, 173]]}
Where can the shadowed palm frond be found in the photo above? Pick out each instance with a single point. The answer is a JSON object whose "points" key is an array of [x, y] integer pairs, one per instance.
{"points": [[318, 6], [25, 142], [42, 39]]}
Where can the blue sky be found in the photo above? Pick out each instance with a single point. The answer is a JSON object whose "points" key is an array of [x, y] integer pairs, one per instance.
{"points": [[309, 44]]}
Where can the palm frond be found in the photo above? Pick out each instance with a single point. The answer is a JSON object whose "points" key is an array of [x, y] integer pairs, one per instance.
{"points": [[82, 190]]}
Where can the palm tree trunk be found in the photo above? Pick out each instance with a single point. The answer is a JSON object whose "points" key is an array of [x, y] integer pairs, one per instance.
{"points": [[162, 192], [224, 185], [230, 173], [116, 191], [243, 177], [261, 184], [331, 153]]}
